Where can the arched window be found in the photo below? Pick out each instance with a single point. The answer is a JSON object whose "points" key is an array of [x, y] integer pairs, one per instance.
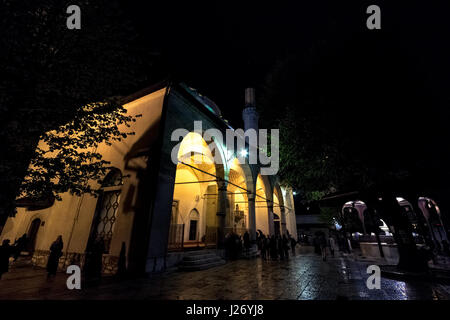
{"points": [[107, 207], [113, 178]]}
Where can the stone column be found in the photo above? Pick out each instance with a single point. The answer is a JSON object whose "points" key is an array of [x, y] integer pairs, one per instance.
{"points": [[271, 225], [222, 209], [252, 217], [283, 220]]}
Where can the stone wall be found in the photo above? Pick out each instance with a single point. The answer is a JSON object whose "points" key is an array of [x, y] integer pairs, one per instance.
{"points": [[40, 258]]}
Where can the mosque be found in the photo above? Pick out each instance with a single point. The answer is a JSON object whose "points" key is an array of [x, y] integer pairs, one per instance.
{"points": [[153, 207]]}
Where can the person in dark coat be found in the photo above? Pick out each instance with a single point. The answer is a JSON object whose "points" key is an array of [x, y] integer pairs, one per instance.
{"points": [[5, 253], [20, 245], [246, 241], [122, 263], [323, 246], [97, 259], [285, 242], [316, 244], [273, 248], [280, 247], [55, 254], [293, 244], [267, 242], [263, 247]]}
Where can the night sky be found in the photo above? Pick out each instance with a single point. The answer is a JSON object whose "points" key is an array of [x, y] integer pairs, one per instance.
{"points": [[220, 47]]}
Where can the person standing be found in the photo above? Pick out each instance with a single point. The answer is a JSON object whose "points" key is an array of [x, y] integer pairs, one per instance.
{"points": [[267, 241], [323, 246], [55, 254], [285, 246], [246, 242], [97, 257], [5, 253], [263, 247], [293, 244], [122, 263], [331, 243], [20, 245], [273, 248], [280, 247]]}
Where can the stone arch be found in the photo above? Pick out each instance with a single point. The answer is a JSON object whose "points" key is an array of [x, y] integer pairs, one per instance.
{"points": [[263, 204], [432, 215], [279, 194], [288, 199], [278, 209], [358, 207], [240, 190], [197, 178], [114, 177]]}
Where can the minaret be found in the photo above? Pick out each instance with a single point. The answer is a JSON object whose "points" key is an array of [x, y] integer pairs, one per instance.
{"points": [[249, 114]]}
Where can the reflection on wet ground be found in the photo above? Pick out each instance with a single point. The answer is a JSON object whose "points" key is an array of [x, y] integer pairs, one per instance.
{"points": [[302, 277]]}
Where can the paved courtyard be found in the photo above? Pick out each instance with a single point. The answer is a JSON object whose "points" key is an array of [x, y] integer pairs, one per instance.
{"points": [[302, 277]]}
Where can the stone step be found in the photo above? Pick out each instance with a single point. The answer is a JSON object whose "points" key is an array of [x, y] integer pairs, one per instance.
{"points": [[202, 266], [199, 257], [198, 252], [200, 261]]}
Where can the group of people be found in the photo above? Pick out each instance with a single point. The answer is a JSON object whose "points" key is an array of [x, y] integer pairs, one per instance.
{"points": [[235, 244], [275, 247], [7, 251], [271, 247], [322, 244], [93, 265]]}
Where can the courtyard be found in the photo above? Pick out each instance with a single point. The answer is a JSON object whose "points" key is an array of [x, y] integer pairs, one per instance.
{"points": [[302, 277]]}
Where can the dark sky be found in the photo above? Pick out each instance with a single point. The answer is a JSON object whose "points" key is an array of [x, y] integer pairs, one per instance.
{"points": [[220, 47]]}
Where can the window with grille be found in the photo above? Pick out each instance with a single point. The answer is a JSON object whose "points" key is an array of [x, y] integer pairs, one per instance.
{"points": [[107, 208], [107, 217]]}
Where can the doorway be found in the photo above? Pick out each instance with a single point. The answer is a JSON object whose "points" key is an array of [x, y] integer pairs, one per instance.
{"points": [[32, 234], [193, 224]]}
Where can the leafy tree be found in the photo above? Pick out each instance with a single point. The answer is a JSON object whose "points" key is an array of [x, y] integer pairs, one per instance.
{"points": [[328, 214], [345, 126], [61, 86]]}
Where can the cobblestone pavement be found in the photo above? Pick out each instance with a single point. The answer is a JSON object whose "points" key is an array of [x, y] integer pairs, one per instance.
{"points": [[302, 277]]}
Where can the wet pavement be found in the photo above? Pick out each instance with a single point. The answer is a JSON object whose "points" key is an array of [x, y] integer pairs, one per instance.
{"points": [[302, 277]]}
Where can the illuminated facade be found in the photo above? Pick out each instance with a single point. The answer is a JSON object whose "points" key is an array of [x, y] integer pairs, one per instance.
{"points": [[153, 205]]}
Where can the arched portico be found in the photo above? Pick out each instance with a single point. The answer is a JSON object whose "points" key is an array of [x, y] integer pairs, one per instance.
{"points": [[289, 211], [278, 208], [264, 205], [240, 191], [196, 190], [432, 215]]}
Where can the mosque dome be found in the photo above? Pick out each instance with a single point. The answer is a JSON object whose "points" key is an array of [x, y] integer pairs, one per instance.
{"points": [[211, 105]]}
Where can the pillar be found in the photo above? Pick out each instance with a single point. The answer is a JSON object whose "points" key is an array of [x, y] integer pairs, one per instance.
{"points": [[252, 217], [222, 209], [271, 225], [283, 220]]}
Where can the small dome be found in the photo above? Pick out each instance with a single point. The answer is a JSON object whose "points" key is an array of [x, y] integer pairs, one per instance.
{"points": [[211, 105]]}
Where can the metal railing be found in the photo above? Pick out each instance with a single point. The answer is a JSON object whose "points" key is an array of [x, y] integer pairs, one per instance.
{"points": [[176, 237]]}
